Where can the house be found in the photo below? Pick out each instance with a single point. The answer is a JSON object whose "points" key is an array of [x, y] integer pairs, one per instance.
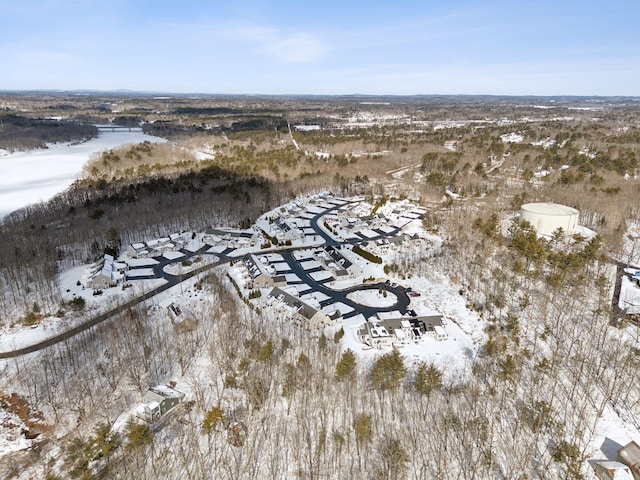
{"points": [[231, 238], [137, 250], [178, 240], [286, 231], [153, 246], [396, 331], [375, 335], [302, 313], [630, 456], [106, 273], [389, 331], [157, 401], [440, 333], [258, 272], [182, 319], [343, 263], [611, 470]]}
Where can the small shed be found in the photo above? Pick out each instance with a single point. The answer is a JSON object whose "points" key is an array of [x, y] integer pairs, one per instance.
{"points": [[611, 470], [630, 456]]}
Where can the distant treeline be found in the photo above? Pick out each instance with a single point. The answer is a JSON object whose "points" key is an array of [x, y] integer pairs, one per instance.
{"points": [[172, 130], [219, 111], [23, 133]]}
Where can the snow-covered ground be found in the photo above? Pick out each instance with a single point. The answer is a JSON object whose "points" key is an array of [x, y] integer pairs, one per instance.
{"points": [[50, 325], [629, 296], [373, 298], [11, 438], [454, 355], [141, 262], [179, 269], [30, 177], [173, 255]]}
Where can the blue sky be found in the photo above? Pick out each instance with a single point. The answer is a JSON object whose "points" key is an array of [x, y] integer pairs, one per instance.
{"points": [[561, 47]]}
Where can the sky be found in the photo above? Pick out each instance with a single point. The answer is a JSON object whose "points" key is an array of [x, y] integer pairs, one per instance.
{"points": [[401, 47]]}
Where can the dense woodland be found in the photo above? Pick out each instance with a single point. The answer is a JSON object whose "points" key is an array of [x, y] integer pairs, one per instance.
{"points": [[529, 402], [24, 133]]}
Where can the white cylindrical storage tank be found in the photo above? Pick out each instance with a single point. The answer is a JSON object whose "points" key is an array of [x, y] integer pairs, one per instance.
{"points": [[548, 217]]}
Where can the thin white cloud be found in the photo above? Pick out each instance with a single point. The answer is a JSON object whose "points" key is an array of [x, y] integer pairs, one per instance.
{"points": [[42, 57], [297, 47]]}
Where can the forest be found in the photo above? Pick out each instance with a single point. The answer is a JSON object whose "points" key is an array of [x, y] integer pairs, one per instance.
{"points": [[25, 133]]}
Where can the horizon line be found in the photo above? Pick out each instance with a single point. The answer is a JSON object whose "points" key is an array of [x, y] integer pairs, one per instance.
{"points": [[89, 91]]}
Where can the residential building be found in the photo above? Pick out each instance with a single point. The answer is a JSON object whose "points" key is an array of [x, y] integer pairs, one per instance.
{"points": [[232, 238], [397, 331], [260, 275], [302, 313], [137, 250], [105, 273], [342, 264], [157, 401]]}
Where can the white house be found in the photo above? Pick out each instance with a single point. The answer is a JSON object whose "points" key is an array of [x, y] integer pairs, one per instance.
{"points": [[137, 250], [106, 273], [387, 332]]}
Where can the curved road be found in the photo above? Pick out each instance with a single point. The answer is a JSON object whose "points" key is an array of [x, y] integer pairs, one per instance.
{"points": [[171, 282], [287, 253], [341, 295]]}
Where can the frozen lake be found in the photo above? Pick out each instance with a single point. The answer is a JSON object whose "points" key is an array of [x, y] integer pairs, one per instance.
{"points": [[38, 175]]}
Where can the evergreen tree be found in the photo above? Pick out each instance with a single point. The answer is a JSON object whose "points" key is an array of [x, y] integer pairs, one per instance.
{"points": [[346, 365], [428, 378], [388, 371]]}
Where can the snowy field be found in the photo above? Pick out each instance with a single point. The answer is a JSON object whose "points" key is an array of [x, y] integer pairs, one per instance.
{"points": [[30, 177]]}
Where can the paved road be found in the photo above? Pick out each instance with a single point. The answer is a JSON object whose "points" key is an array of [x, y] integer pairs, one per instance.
{"points": [[341, 295], [287, 253], [171, 281]]}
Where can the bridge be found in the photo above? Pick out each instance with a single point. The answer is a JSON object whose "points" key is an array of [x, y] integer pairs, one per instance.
{"points": [[117, 128]]}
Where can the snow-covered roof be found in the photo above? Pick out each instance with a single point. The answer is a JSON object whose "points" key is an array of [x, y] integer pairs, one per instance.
{"points": [[613, 470], [255, 266]]}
